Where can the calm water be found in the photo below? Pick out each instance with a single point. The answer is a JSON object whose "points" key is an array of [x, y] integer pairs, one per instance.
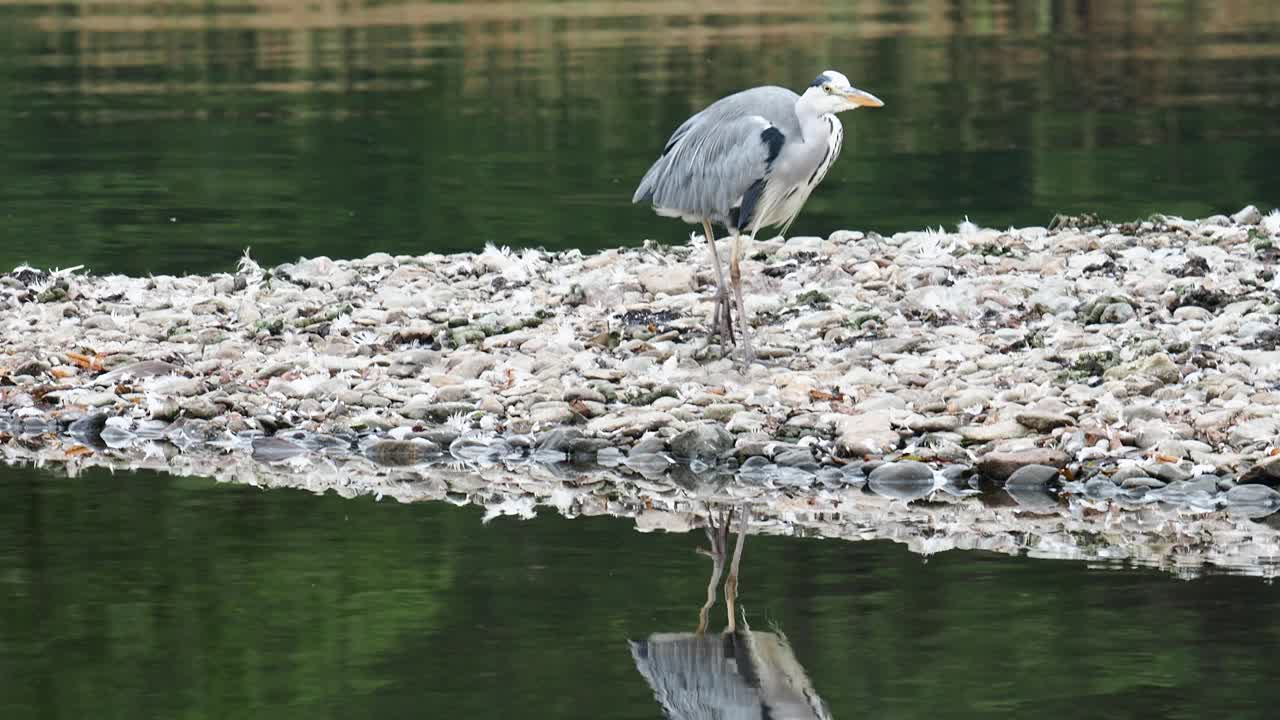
{"points": [[145, 140], [142, 137], [137, 595]]}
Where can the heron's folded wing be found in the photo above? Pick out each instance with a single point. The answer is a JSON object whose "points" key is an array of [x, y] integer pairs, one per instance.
{"points": [[713, 164]]}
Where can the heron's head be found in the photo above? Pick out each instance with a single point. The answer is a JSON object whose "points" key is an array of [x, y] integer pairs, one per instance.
{"points": [[831, 92]]}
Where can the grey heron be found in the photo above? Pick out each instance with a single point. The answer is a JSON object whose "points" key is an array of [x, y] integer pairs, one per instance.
{"points": [[749, 161]]}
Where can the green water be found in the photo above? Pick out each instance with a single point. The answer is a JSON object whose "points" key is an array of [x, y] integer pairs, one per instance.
{"points": [[144, 596], [168, 137], [142, 140]]}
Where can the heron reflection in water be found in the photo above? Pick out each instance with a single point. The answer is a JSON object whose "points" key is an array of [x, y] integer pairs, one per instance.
{"points": [[740, 674]]}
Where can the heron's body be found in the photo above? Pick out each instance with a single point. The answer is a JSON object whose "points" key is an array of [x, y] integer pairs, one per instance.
{"points": [[750, 161], [747, 161]]}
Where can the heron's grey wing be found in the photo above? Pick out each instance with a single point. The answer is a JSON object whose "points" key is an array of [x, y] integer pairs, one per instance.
{"points": [[719, 159]]}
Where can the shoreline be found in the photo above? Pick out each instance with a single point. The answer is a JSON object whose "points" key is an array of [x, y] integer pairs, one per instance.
{"points": [[1137, 363], [1026, 520]]}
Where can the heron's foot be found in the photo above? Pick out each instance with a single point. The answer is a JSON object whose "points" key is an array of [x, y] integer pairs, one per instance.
{"points": [[722, 317], [747, 355]]}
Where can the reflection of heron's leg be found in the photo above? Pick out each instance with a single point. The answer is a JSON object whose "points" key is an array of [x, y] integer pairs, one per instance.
{"points": [[731, 582], [717, 538], [735, 274], [722, 315]]}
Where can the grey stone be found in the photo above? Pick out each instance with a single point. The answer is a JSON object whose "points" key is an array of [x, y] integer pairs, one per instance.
{"points": [[746, 448], [473, 366], [201, 408], [1186, 493], [904, 471], [443, 437], [558, 439], [1141, 481], [671, 279], [1206, 483], [585, 446], [784, 476], [867, 433], [904, 480], [1255, 431], [274, 449], [480, 450], [648, 464], [1043, 421], [956, 480], [1252, 500], [1248, 215], [609, 457], [796, 457], [89, 427], [1101, 488], [1117, 313], [137, 371], [830, 477], [721, 411], [1169, 472], [1003, 430], [1158, 366], [707, 442], [553, 412], [435, 412], [402, 452], [756, 470], [1032, 475], [999, 465], [648, 444], [584, 393], [1035, 498], [934, 423], [453, 394]]}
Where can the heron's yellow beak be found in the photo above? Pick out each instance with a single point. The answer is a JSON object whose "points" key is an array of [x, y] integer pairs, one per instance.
{"points": [[862, 98]]}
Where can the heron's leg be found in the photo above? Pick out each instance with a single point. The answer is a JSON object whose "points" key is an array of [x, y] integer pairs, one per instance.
{"points": [[735, 273], [731, 582], [717, 537], [722, 314]]}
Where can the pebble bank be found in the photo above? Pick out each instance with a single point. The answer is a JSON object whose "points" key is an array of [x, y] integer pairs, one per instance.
{"points": [[1134, 364]]}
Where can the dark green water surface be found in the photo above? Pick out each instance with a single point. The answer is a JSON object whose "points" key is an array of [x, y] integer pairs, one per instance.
{"points": [[145, 137], [138, 595]]}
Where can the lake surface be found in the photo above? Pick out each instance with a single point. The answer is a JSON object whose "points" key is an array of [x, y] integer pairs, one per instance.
{"points": [[141, 595], [146, 138], [142, 138]]}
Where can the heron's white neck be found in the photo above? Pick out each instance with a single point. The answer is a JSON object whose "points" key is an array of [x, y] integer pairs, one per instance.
{"points": [[813, 124]]}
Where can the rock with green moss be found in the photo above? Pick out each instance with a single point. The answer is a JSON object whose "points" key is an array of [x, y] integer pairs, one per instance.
{"points": [[1158, 366]]}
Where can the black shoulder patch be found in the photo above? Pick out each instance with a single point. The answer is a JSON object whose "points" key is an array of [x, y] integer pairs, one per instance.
{"points": [[774, 138], [741, 216], [819, 81]]}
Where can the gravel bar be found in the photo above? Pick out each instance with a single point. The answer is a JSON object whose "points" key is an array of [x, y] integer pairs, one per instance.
{"points": [[1133, 364]]}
